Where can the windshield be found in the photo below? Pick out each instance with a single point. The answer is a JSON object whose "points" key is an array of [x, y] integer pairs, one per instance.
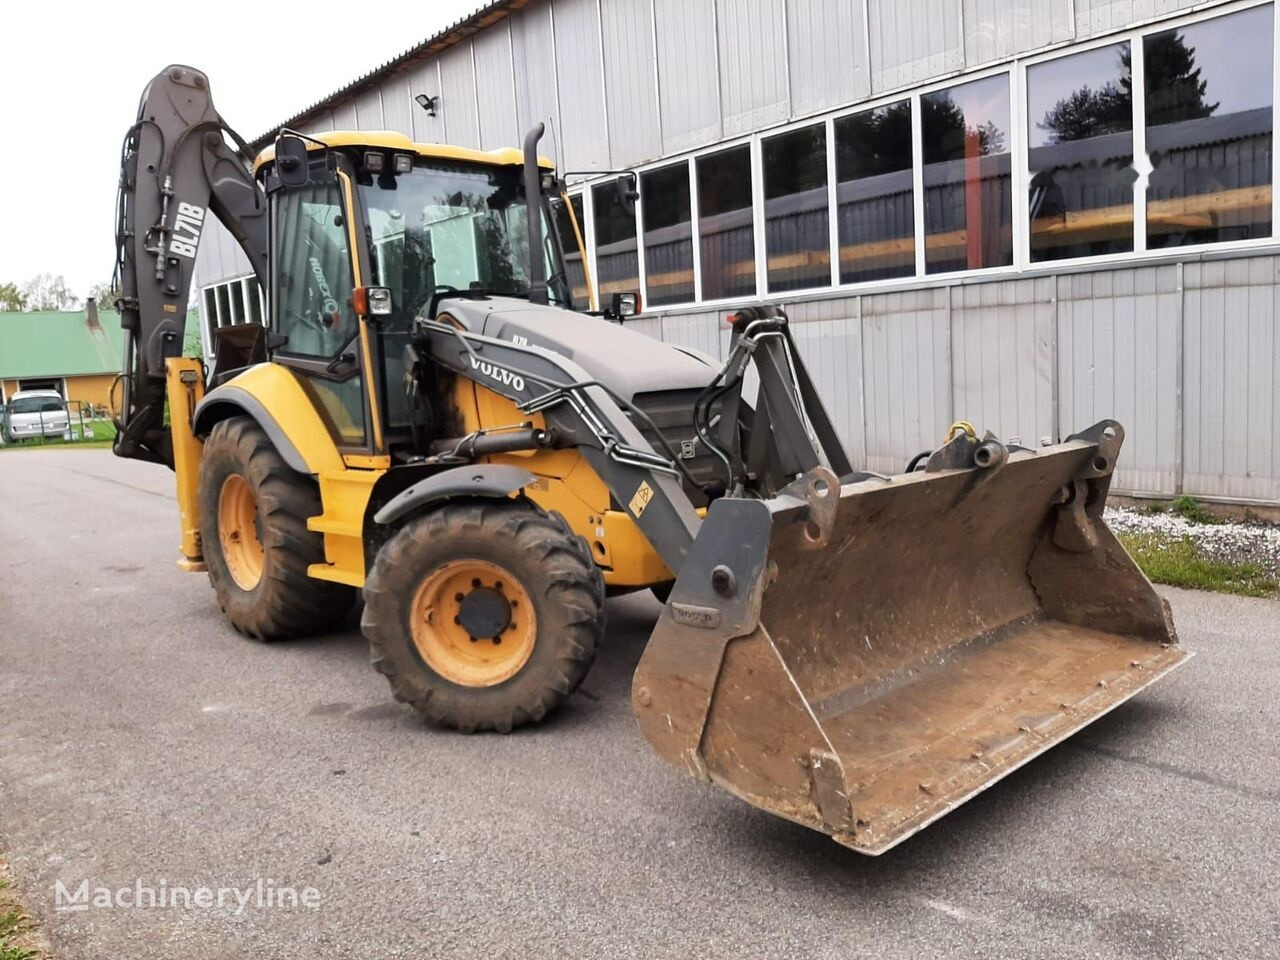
{"points": [[36, 405], [453, 225]]}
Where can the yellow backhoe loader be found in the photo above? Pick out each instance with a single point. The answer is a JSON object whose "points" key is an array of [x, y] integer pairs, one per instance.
{"points": [[423, 416]]}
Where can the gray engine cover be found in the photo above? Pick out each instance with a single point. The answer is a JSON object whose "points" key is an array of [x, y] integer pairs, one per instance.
{"points": [[629, 362]]}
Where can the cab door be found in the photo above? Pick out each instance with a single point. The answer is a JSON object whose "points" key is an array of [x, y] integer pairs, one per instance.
{"points": [[315, 267]]}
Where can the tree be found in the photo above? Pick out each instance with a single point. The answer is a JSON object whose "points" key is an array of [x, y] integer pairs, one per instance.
{"points": [[47, 292], [11, 297], [1174, 88], [1087, 113], [105, 296]]}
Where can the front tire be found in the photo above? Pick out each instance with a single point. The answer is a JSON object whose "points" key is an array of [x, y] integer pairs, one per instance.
{"points": [[484, 616], [253, 529]]}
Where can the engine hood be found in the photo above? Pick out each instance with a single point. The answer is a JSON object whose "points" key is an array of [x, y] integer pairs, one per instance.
{"points": [[629, 362]]}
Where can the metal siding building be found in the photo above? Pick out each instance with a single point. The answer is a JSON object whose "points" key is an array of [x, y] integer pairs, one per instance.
{"points": [[1177, 339]]}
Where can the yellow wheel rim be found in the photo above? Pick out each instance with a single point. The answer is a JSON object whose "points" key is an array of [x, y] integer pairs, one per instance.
{"points": [[473, 623], [238, 531]]}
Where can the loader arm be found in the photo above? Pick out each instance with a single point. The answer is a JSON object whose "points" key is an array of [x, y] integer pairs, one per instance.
{"points": [[176, 170]]}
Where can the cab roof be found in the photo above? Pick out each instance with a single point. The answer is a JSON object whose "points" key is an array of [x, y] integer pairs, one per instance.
{"points": [[394, 140]]}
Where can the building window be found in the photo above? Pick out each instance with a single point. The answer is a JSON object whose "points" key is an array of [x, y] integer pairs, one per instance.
{"points": [[1080, 154], [236, 294], [1208, 111], [617, 259], [253, 292], [874, 208], [727, 249], [797, 240], [575, 272], [668, 235], [211, 310], [224, 304], [968, 211]]}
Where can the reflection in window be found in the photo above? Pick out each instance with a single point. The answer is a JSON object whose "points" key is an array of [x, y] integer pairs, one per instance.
{"points": [[574, 270], [237, 302], [617, 263], [1208, 101], [796, 237], [967, 204], [668, 235], [876, 217], [726, 235], [1080, 139], [254, 293], [211, 309], [224, 305]]}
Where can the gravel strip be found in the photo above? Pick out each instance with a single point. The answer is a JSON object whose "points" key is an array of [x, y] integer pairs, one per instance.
{"points": [[1254, 542]]}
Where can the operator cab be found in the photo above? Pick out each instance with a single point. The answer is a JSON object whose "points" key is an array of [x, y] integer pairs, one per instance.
{"points": [[370, 232]]}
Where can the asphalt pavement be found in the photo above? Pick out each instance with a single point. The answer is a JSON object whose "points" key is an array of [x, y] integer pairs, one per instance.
{"points": [[143, 742]]}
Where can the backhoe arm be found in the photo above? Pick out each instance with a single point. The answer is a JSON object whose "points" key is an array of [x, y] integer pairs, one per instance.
{"points": [[176, 169]]}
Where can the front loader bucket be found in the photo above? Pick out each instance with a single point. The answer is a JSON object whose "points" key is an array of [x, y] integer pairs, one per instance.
{"points": [[863, 659]]}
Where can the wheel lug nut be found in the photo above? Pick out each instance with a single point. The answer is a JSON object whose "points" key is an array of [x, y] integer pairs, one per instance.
{"points": [[472, 639], [475, 582], [459, 597], [497, 640]]}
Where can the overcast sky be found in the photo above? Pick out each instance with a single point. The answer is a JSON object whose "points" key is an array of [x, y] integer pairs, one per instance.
{"points": [[71, 75]]}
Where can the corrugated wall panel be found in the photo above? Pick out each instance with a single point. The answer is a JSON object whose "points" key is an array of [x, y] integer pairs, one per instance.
{"points": [[828, 334], [1002, 343], [1231, 447], [323, 122], [635, 132], [688, 78], [753, 65], [906, 375], [344, 116], [425, 78], [1117, 358], [701, 331], [1101, 16], [535, 73], [913, 41], [584, 128], [398, 106], [1001, 28], [826, 54], [219, 257], [369, 110], [495, 88], [458, 96]]}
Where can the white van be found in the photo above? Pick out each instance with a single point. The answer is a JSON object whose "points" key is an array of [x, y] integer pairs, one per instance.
{"points": [[35, 413]]}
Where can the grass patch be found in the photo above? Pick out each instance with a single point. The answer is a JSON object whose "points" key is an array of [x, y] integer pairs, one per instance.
{"points": [[1190, 509], [12, 923], [104, 431], [1177, 562], [19, 940]]}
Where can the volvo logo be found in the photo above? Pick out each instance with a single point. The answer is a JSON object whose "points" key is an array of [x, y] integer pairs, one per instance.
{"points": [[497, 374]]}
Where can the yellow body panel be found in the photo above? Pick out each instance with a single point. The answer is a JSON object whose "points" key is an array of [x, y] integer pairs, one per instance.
{"points": [[394, 140], [184, 384], [568, 484], [344, 487], [344, 495], [281, 393]]}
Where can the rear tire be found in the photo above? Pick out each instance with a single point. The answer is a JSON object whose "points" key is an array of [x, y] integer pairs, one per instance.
{"points": [[248, 493], [484, 615]]}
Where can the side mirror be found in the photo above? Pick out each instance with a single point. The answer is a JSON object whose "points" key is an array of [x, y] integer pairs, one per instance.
{"points": [[291, 160], [622, 305], [627, 192]]}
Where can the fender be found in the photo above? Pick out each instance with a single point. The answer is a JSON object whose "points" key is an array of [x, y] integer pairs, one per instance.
{"points": [[491, 480], [272, 396]]}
